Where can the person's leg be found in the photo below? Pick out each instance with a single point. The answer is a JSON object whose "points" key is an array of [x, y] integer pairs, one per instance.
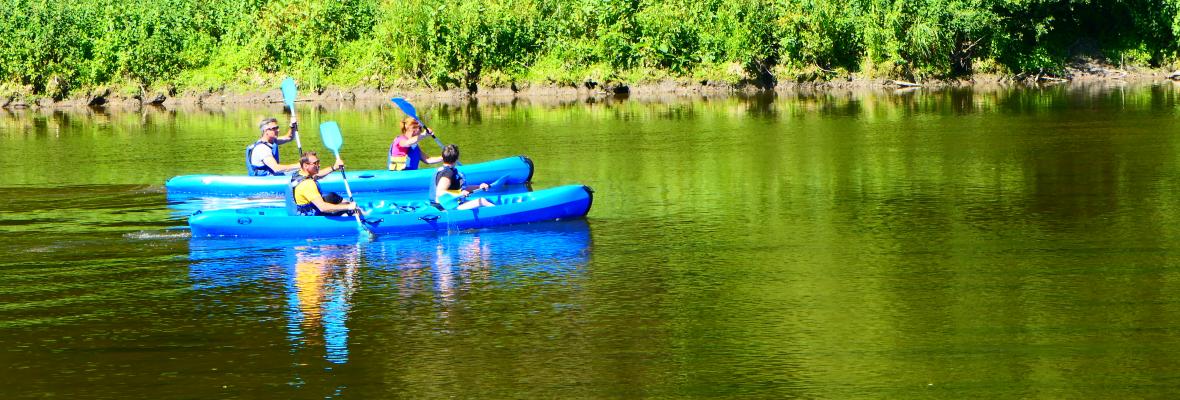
{"points": [[481, 202]]}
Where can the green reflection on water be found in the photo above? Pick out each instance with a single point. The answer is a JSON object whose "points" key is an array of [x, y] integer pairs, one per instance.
{"points": [[963, 243]]}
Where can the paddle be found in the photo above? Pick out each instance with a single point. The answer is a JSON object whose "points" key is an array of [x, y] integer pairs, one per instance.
{"points": [[289, 92], [330, 133], [454, 200], [498, 183], [408, 108]]}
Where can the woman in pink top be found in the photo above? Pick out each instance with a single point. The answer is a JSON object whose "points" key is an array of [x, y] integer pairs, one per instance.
{"points": [[404, 153]]}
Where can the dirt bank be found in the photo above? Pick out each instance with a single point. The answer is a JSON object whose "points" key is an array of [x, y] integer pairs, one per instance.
{"points": [[106, 98]]}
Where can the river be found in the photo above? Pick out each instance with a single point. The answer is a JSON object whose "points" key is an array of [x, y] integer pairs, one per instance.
{"points": [[1000, 243]]}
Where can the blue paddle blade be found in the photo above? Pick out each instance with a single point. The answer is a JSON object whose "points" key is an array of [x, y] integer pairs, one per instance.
{"points": [[406, 107], [449, 201], [330, 133], [496, 184], [289, 92]]}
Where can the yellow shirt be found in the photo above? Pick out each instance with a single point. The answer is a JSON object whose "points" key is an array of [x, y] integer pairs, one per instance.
{"points": [[307, 192]]}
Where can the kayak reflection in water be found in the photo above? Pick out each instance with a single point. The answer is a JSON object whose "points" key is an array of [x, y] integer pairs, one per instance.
{"points": [[320, 300], [458, 266], [305, 189], [449, 181]]}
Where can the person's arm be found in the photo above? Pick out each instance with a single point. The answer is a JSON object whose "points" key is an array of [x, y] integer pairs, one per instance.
{"points": [[441, 188], [270, 162], [290, 133], [338, 166], [411, 141], [431, 160], [472, 188], [306, 192], [327, 207]]}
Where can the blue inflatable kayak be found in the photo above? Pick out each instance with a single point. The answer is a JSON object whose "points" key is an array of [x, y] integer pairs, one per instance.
{"points": [[518, 169], [384, 217], [181, 205]]}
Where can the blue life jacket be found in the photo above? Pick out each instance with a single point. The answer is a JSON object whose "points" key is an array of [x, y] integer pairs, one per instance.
{"points": [[263, 170], [308, 209], [413, 157]]}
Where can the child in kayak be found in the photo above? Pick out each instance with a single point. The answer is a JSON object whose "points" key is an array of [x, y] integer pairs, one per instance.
{"points": [[404, 152], [449, 181]]}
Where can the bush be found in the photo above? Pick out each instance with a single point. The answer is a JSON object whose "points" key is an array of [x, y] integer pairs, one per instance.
{"points": [[57, 47]]}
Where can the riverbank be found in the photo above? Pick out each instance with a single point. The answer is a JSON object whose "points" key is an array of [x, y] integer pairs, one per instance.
{"points": [[133, 98], [89, 53]]}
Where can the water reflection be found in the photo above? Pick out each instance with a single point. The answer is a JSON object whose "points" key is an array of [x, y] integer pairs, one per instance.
{"points": [[968, 242], [448, 266], [317, 282], [318, 297]]}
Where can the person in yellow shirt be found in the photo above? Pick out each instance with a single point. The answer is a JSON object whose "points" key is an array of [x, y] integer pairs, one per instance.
{"points": [[306, 189]]}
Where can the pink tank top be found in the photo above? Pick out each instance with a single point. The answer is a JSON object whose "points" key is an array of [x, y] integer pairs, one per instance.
{"points": [[396, 149]]}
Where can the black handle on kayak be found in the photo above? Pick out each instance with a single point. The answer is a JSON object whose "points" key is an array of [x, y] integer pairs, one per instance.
{"points": [[429, 218]]}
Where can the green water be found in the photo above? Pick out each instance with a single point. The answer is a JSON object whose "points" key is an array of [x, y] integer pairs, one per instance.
{"points": [[1016, 243]]}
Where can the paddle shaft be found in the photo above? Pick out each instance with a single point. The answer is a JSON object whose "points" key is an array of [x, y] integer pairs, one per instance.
{"points": [[298, 145], [344, 177], [429, 132], [356, 213], [330, 134], [463, 198], [494, 185], [425, 129]]}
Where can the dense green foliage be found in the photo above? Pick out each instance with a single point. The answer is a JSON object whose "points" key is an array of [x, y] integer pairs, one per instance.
{"points": [[57, 47]]}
